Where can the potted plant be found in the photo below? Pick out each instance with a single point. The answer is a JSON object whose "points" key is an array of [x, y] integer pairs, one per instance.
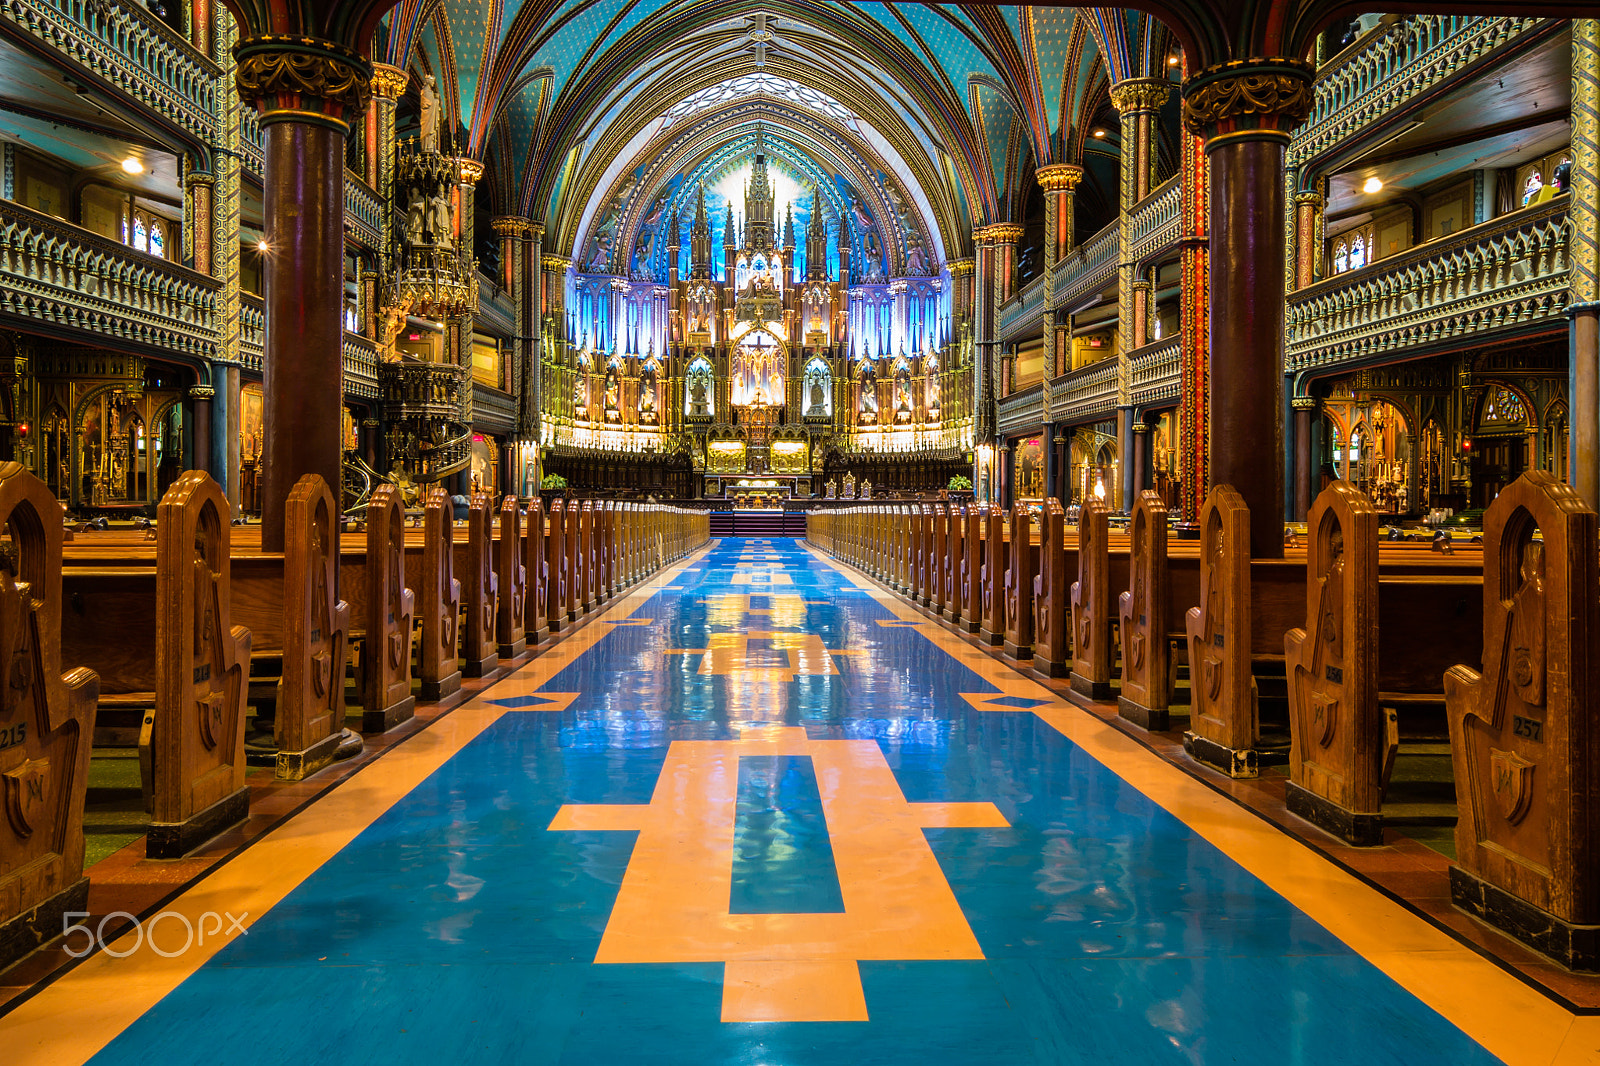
{"points": [[551, 486], [960, 488]]}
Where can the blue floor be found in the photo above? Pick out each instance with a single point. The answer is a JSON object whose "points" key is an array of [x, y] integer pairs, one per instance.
{"points": [[459, 928]]}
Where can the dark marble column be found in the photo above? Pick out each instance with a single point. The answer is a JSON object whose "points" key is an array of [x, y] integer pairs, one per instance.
{"points": [[200, 397], [1245, 110], [307, 93], [1141, 461], [1305, 411]]}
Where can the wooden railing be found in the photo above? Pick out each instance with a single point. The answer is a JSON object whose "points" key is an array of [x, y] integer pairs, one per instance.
{"points": [[1085, 393], [1508, 274], [59, 276]]}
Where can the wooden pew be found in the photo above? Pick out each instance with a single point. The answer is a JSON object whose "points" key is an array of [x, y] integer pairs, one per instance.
{"points": [[922, 534], [1021, 576], [1523, 732], [972, 562], [438, 599], [316, 627], [511, 578], [573, 562], [46, 720], [993, 625], [535, 560], [1052, 638], [955, 521], [1091, 605], [586, 559], [1337, 754], [1143, 615], [1223, 717], [556, 596], [390, 609], [481, 589], [195, 731]]}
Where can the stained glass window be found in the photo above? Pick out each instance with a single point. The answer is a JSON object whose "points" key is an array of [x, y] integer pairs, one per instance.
{"points": [[158, 240], [760, 83], [1341, 258], [1358, 254]]}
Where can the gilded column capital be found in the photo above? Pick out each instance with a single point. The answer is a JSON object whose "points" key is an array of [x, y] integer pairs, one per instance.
{"points": [[468, 171], [201, 392], [1059, 177], [1262, 99], [1140, 94], [1308, 199], [1305, 403], [199, 178], [535, 231], [1140, 426], [555, 264], [1003, 232], [509, 226], [302, 79], [962, 268], [389, 82]]}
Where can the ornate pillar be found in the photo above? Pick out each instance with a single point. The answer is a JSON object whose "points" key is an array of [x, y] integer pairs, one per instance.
{"points": [[984, 362], [388, 85], [199, 217], [200, 397], [1140, 313], [1245, 110], [1194, 256], [1308, 238], [1138, 101], [307, 92], [528, 422], [1004, 237], [1059, 181], [1305, 479], [1583, 450]]}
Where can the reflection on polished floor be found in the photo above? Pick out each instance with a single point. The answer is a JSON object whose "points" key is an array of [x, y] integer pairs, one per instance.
{"points": [[759, 813]]}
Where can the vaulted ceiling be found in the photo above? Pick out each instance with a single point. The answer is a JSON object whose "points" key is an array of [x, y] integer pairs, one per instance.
{"points": [[589, 113]]}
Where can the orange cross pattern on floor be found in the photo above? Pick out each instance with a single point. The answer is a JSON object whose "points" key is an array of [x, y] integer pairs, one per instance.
{"points": [[674, 903]]}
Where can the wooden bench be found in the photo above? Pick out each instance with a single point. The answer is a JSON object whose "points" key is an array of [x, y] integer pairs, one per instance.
{"points": [[1143, 614], [1020, 577], [1052, 638], [1091, 606]]}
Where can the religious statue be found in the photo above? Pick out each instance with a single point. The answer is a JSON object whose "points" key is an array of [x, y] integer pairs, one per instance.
{"points": [[916, 259], [429, 114], [699, 406], [612, 389], [859, 213], [818, 402], [602, 253], [416, 217]]}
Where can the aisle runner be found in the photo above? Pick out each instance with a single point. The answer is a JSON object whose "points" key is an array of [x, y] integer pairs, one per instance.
{"points": [[765, 818]]}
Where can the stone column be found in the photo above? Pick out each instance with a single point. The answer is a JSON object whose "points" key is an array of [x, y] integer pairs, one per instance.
{"points": [[199, 217], [307, 92], [1194, 257], [1308, 238], [1138, 101], [388, 85], [1583, 447], [1140, 461], [1003, 237], [1305, 478], [1059, 181], [200, 397], [984, 362], [1245, 110]]}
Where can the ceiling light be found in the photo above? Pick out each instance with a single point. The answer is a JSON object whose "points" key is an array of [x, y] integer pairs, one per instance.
{"points": [[263, 247], [132, 166], [1099, 133], [1172, 61], [1372, 185]]}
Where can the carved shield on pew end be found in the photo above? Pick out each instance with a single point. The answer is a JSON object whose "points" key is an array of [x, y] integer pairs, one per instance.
{"points": [[1143, 608], [534, 561], [391, 606], [1091, 596], [1337, 730], [481, 585], [46, 717], [1521, 732], [316, 622], [197, 739], [511, 575], [1222, 690]]}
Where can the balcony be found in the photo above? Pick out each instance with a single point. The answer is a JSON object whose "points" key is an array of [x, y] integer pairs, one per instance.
{"points": [[1373, 80], [1156, 222], [1155, 373], [63, 280], [493, 410], [252, 331], [124, 47], [1088, 394], [360, 366], [1504, 278], [495, 307], [1087, 267], [1023, 311], [1022, 410]]}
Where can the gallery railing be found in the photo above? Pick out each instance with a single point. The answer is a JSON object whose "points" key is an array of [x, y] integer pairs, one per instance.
{"points": [[1088, 393], [130, 49], [1155, 222], [62, 277], [1088, 266], [1504, 276], [1155, 372], [1393, 68]]}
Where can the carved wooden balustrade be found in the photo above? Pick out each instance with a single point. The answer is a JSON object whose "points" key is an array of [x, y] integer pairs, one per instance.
{"points": [[1502, 277]]}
